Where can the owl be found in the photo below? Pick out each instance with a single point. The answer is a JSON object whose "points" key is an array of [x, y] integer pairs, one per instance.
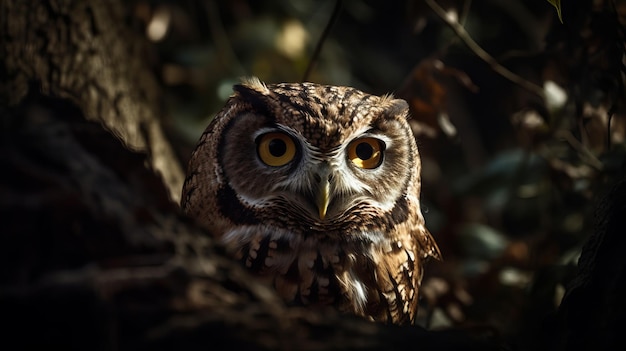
{"points": [[315, 189]]}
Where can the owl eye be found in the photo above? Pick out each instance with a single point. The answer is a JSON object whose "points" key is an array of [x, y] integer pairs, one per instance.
{"points": [[366, 152], [276, 149]]}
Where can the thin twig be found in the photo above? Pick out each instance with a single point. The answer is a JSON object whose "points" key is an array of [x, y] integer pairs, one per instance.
{"points": [[320, 42], [582, 150], [481, 53]]}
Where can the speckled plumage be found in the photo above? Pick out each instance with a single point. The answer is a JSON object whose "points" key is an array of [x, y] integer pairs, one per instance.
{"points": [[364, 255]]}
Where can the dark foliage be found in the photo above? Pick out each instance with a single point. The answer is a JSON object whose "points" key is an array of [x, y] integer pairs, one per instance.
{"points": [[522, 146]]}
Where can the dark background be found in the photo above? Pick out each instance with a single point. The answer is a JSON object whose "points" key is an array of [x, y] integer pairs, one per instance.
{"points": [[521, 146]]}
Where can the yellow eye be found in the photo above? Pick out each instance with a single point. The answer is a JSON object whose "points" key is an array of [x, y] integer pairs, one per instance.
{"points": [[276, 149], [366, 152]]}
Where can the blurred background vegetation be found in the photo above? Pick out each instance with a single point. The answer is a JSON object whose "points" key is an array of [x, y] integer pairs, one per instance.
{"points": [[519, 119]]}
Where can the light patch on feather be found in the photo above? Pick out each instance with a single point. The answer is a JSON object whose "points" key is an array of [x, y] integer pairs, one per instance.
{"points": [[360, 296], [255, 84]]}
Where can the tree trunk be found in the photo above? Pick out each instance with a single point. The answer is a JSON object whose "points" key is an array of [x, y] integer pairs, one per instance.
{"points": [[94, 253], [85, 52]]}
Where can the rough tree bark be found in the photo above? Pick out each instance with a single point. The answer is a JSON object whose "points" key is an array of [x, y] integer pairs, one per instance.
{"points": [[84, 51], [93, 252]]}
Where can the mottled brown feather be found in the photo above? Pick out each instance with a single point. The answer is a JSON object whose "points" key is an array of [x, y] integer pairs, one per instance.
{"points": [[366, 257]]}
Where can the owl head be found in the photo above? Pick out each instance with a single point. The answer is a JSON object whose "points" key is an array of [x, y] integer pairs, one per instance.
{"points": [[316, 187]]}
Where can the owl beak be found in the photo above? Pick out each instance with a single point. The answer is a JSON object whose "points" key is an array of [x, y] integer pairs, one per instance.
{"points": [[323, 197], [322, 177]]}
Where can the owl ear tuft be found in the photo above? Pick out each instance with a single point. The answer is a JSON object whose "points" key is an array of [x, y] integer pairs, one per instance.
{"points": [[253, 83], [255, 92], [398, 107]]}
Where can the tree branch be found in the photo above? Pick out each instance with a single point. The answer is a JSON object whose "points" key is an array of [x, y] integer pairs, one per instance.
{"points": [[481, 53]]}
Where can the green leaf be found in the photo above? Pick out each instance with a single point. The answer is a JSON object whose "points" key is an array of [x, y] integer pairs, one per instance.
{"points": [[557, 6]]}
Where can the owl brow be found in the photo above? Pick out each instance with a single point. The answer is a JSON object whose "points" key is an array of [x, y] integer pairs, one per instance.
{"points": [[275, 127], [265, 130], [374, 133], [371, 132]]}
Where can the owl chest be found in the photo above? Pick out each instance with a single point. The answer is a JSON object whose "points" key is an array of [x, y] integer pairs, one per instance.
{"points": [[304, 271]]}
